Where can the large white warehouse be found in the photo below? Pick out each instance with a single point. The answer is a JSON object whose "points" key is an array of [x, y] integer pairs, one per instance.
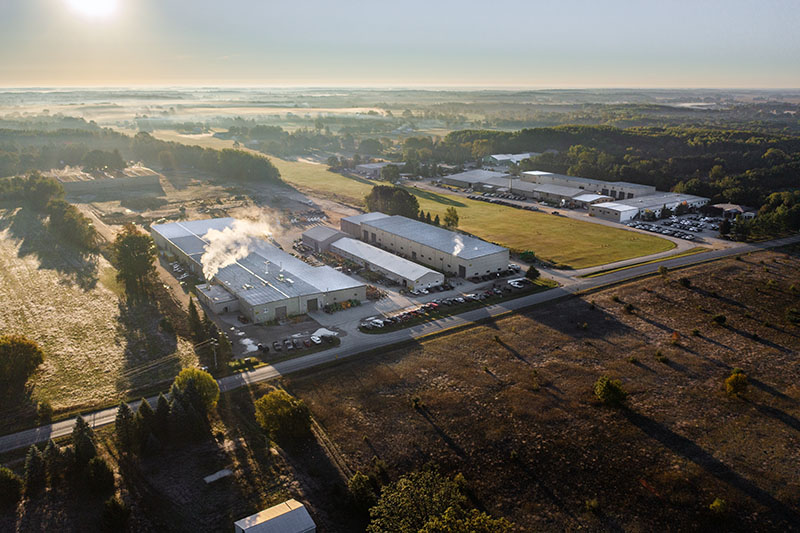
{"points": [[626, 210], [443, 250], [266, 284]]}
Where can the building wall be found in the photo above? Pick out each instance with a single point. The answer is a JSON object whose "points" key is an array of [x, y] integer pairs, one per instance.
{"points": [[616, 191], [228, 306], [350, 228], [111, 187], [612, 214]]}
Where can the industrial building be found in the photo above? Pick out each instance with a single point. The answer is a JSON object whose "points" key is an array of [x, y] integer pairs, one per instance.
{"points": [[403, 271], [290, 516], [626, 210], [319, 238], [373, 170], [504, 160], [616, 189], [266, 284], [472, 178], [736, 210], [443, 250]]}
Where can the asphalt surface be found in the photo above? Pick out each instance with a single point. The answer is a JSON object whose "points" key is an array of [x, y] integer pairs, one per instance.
{"points": [[361, 342]]}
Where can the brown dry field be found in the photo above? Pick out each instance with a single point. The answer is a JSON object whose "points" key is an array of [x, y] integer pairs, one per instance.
{"points": [[518, 418]]}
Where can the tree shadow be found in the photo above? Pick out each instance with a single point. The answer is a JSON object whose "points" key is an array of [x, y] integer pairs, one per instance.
{"points": [[434, 197], [149, 347], [78, 267], [707, 294], [758, 339], [512, 351], [599, 323], [777, 414], [426, 414], [769, 389], [689, 450]]}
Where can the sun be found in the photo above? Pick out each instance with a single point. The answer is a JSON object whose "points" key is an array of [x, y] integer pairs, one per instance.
{"points": [[94, 8]]}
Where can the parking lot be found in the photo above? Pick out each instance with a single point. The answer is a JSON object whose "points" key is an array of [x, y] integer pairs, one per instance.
{"points": [[687, 227]]}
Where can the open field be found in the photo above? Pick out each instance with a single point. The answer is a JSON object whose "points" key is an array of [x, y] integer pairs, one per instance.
{"points": [[510, 405], [560, 240], [97, 348]]}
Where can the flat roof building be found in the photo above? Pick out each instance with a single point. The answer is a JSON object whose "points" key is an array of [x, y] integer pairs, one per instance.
{"points": [[352, 225], [373, 170], [439, 248], [403, 271], [626, 210], [735, 210], [267, 283], [616, 189], [290, 516], [472, 178], [504, 160]]}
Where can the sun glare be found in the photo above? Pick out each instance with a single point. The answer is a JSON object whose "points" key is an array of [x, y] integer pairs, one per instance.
{"points": [[94, 8]]}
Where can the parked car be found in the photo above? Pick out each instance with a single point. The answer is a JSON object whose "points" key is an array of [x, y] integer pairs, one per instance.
{"points": [[276, 346], [316, 340]]}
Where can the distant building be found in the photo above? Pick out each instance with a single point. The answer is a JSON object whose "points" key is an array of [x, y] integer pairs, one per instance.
{"points": [[290, 516], [735, 210], [618, 190], [627, 210], [373, 170], [472, 178], [504, 160], [319, 238]]}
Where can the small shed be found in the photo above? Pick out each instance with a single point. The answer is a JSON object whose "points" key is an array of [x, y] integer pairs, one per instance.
{"points": [[290, 516]]}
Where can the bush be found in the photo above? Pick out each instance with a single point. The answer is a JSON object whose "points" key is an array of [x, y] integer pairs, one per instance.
{"points": [[736, 383], [793, 315], [283, 416], [609, 391], [695, 332], [99, 476], [616, 298], [718, 506], [685, 282], [633, 360], [115, 514], [593, 505], [532, 273], [10, 488], [662, 270], [719, 319], [44, 411], [660, 357], [361, 491], [629, 308]]}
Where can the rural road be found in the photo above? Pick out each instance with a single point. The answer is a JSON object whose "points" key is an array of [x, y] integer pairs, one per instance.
{"points": [[360, 342]]}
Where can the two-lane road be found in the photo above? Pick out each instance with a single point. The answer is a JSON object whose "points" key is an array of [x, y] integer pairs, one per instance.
{"points": [[357, 342]]}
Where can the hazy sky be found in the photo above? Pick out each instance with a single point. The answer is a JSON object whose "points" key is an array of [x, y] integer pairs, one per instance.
{"points": [[499, 43]]}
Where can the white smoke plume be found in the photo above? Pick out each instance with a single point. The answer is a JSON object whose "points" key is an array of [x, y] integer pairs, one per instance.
{"points": [[459, 245], [231, 244]]}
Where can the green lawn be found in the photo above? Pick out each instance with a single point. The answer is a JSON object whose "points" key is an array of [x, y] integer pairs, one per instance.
{"points": [[561, 240]]}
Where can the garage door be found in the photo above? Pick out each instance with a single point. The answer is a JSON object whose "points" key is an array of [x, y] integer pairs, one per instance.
{"points": [[280, 312], [312, 305]]}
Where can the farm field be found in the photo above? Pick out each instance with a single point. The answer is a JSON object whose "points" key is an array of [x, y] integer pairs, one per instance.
{"points": [[560, 240], [97, 348], [510, 405]]}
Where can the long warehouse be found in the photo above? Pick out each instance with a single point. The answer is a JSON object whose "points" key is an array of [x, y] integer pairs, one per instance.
{"points": [[444, 250], [403, 271], [266, 284]]}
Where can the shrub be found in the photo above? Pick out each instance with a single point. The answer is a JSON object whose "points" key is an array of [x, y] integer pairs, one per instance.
{"points": [[633, 360], [361, 490], [609, 391], [629, 308], [99, 476], [283, 416], [660, 357], [719, 319], [718, 506], [44, 411], [662, 270], [793, 315], [115, 514], [10, 488], [616, 298], [532, 273], [695, 332], [736, 383], [685, 282], [416, 401], [593, 505]]}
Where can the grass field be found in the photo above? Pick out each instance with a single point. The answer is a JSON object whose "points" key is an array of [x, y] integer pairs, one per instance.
{"points": [[560, 240], [509, 405], [96, 347]]}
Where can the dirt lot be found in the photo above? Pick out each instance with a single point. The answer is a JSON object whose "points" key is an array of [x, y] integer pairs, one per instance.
{"points": [[97, 347], [510, 405]]}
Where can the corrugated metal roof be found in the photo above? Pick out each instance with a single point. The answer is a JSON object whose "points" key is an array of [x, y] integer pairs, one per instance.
{"points": [[366, 217], [475, 176], [447, 241], [655, 201], [381, 258], [321, 233], [615, 206], [560, 190], [290, 516], [589, 197]]}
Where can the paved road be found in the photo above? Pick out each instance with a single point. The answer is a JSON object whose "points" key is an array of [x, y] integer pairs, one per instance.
{"points": [[361, 342]]}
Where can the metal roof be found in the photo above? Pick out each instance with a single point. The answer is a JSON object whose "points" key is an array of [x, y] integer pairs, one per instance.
{"points": [[615, 206], [560, 190], [588, 181], [475, 176], [290, 516], [366, 217], [321, 233], [381, 258], [446, 241], [267, 274], [589, 197], [655, 201]]}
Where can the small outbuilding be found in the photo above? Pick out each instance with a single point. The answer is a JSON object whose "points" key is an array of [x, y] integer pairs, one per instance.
{"points": [[319, 238], [735, 210], [290, 516]]}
